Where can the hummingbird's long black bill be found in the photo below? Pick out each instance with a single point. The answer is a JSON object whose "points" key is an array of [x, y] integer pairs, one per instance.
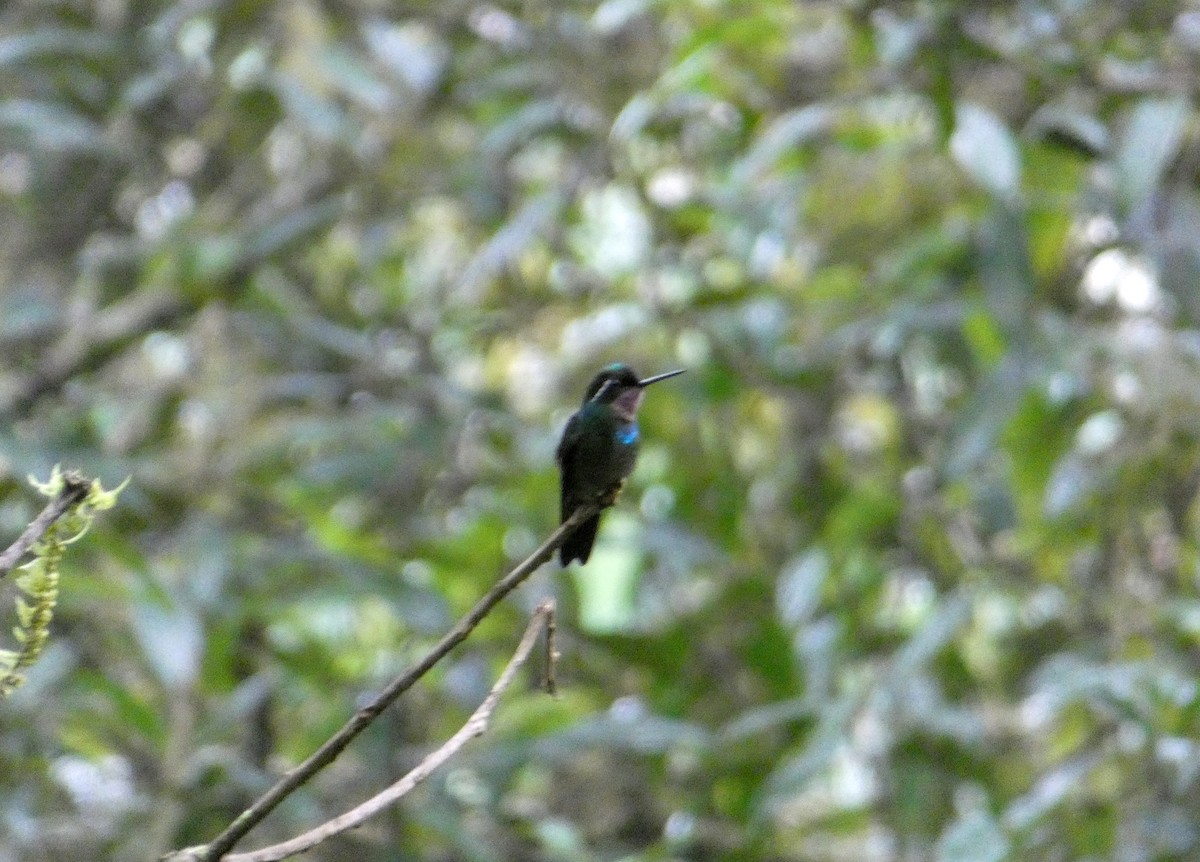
{"points": [[658, 377]]}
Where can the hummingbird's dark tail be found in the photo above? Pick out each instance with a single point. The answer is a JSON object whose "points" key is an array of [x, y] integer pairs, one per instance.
{"points": [[578, 545]]}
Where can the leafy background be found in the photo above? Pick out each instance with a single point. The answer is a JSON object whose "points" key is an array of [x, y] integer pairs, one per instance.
{"points": [[908, 569]]}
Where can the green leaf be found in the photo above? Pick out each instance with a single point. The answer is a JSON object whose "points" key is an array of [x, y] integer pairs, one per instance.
{"points": [[52, 126], [58, 43], [798, 588], [796, 772], [984, 148], [172, 640], [974, 837], [931, 638], [782, 136], [1152, 136], [608, 585]]}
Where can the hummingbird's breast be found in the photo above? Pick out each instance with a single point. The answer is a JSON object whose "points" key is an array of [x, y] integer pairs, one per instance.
{"points": [[606, 450]]}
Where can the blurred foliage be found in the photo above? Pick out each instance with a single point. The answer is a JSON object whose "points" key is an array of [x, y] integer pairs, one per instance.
{"points": [[909, 566]]}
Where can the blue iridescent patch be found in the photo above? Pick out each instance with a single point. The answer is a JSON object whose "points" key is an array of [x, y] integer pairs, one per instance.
{"points": [[627, 435]]}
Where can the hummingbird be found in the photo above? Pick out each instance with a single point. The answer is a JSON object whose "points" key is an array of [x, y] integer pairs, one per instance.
{"points": [[598, 449]]}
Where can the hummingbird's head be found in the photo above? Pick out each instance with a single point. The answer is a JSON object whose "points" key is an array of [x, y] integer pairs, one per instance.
{"points": [[619, 385], [610, 382]]}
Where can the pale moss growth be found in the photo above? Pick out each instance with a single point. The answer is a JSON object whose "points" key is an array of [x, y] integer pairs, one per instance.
{"points": [[38, 580]]}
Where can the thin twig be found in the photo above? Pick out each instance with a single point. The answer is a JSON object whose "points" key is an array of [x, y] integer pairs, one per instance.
{"points": [[75, 488], [333, 746], [105, 332], [475, 726], [551, 655]]}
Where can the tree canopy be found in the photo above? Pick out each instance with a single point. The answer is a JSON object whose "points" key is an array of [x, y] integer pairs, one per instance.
{"points": [[908, 568]]}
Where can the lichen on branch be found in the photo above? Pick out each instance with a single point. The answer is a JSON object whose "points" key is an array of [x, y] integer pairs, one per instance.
{"points": [[73, 505]]}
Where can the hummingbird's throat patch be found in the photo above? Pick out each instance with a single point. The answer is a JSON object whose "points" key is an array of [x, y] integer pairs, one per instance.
{"points": [[627, 403]]}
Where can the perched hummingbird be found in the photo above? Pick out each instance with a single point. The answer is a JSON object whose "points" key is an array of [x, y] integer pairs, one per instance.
{"points": [[598, 449]]}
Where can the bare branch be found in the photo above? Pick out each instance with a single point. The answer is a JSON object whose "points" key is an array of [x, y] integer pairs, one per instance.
{"points": [[475, 726], [75, 488], [551, 655], [333, 746], [105, 332]]}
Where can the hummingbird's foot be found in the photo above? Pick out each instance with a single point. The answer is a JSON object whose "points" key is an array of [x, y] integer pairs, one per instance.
{"points": [[610, 496]]}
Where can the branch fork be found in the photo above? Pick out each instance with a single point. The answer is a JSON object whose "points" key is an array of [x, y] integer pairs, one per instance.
{"points": [[290, 781]]}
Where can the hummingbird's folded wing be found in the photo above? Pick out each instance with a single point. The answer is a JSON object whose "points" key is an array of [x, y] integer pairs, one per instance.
{"points": [[567, 462]]}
